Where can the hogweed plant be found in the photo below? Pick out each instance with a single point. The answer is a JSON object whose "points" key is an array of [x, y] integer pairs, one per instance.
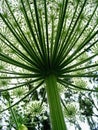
{"points": [[48, 43]]}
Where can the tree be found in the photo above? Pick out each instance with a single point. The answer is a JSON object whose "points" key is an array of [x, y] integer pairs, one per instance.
{"points": [[49, 44]]}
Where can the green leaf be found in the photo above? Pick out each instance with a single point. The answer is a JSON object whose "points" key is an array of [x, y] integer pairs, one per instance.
{"points": [[22, 127]]}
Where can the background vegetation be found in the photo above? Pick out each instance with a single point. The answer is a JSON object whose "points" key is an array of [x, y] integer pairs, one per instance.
{"points": [[48, 60]]}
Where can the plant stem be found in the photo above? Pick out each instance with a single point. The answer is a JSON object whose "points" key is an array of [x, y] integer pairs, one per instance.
{"points": [[13, 115], [56, 114]]}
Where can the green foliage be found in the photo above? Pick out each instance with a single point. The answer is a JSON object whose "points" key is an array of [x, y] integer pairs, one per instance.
{"points": [[70, 111], [6, 95], [22, 127], [42, 39]]}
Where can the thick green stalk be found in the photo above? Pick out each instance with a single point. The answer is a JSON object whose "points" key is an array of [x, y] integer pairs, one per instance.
{"points": [[56, 114]]}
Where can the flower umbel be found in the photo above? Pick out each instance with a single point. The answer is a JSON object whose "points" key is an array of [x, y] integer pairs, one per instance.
{"points": [[48, 43]]}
